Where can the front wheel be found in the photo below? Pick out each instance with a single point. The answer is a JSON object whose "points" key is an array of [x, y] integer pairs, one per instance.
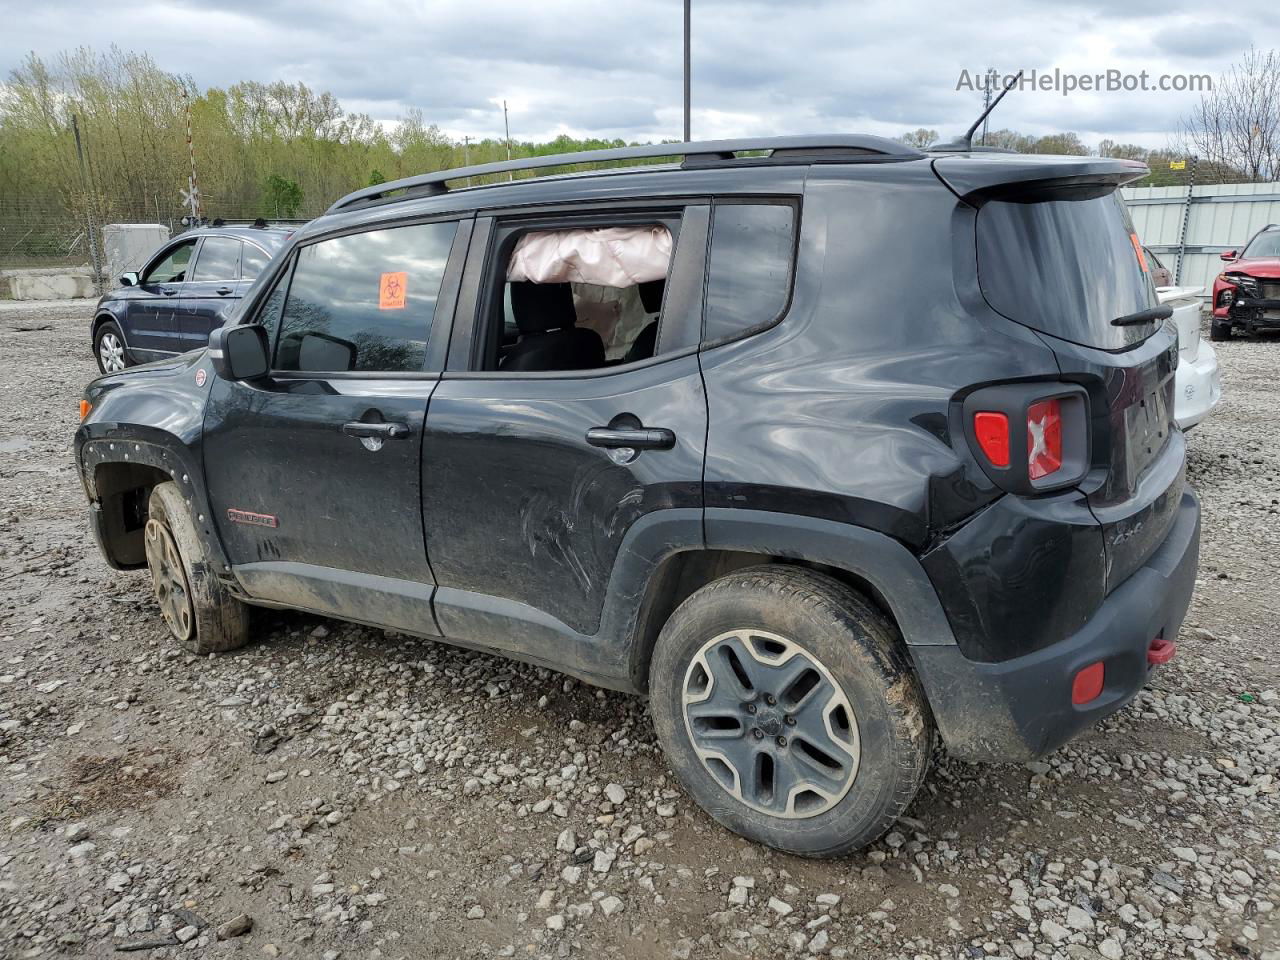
{"points": [[109, 348], [198, 609], [788, 709]]}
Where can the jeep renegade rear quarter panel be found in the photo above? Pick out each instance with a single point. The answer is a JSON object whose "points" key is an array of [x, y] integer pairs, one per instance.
{"points": [[846, 409]]}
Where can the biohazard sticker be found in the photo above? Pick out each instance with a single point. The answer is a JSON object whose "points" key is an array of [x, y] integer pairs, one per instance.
{"points": [[392, 291]]}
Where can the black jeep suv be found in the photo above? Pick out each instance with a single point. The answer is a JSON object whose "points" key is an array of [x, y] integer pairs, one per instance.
{"points": [[826, 445]]}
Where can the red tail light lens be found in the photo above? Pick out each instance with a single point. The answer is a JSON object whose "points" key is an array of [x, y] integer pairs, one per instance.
{"points": [[992, 431], [1044, 438]]}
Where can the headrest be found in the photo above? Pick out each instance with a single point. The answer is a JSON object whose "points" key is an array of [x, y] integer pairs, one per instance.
{"points": [[651, 295], [539, 307]]}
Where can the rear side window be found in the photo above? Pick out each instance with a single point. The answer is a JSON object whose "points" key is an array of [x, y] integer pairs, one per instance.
{"points": [[219, 259], [253, 262], [364, 301], [1066, 268], [749, 274]]}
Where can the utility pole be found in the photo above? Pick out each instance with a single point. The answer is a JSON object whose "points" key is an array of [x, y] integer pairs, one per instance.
{"points": [[986, 100], [91, 233], [688, 57], [466, 155], [192, 195], [1186, 219], [506, 125]]}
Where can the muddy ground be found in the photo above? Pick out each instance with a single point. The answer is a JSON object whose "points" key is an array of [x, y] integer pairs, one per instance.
{"points": [[359, 794]]}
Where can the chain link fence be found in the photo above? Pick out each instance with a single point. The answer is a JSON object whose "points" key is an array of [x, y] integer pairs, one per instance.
{"points": [[67, 235]]}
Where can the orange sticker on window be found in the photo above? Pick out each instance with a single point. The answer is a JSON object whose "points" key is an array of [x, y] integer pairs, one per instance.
{"points": [[1137, 248], [392, 291]]}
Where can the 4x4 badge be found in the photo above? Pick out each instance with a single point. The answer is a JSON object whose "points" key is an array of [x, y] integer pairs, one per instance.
{"points": [[252, 519]]}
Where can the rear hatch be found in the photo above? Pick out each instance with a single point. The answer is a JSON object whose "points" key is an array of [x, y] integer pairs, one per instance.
{"points": [[1057, 252]]}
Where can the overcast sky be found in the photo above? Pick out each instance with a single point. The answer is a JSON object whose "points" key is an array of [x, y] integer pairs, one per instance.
{"points": [[613, 69]]}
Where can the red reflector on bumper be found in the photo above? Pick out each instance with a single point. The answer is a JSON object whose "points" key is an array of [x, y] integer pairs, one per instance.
{"points": [[1160, 651], [1087, 684]]}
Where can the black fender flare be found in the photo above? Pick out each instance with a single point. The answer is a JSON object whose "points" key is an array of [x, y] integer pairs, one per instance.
{"points": [[104, 442], [889, 567]]}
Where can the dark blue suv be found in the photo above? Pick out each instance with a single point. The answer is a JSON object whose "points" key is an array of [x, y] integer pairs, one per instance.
{"points": [[187, 289]]}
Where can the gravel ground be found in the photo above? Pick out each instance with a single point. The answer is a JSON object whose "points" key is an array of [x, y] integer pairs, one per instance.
{"points": [[334, 791]]}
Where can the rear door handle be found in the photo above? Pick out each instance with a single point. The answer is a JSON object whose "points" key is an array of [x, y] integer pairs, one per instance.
{"points": [[382, 431], [637, 438], [169, 291], [222, 291]]}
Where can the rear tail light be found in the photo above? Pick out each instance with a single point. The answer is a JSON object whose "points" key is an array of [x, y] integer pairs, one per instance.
{"points": [[1044, 438], [992, 431], [1030, 437]]}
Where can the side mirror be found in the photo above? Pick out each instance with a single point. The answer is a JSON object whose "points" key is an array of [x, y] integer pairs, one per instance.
{"points": [[240, 352], [1230, 255], [129, 279]]}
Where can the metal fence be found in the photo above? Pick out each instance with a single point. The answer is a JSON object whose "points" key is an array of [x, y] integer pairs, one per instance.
{"points": [[1189, 232], [67, 236]]}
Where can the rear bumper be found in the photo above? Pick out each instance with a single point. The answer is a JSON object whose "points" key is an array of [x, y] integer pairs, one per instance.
{"points": [[1197, 386], [1020, 709]]}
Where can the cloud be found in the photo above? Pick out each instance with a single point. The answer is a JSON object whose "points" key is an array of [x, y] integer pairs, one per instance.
{"points": [[614, 70]]}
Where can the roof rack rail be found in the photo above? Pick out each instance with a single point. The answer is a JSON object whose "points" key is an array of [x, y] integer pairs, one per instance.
{"points": [[838, 148]]}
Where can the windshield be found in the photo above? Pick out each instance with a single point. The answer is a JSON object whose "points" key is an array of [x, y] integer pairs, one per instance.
{"points": [[1264, 245], [1066, 268]]}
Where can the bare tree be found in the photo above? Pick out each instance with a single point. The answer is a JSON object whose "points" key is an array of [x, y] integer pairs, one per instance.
{"points": [[1237, 125], [920, 138]]}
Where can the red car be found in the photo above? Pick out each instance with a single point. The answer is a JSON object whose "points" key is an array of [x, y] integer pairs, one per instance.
{"points": [[1246, 295]]}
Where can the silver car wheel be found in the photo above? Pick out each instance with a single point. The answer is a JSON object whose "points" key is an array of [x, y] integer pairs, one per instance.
{"points": [[111, 352], [771, 724]]}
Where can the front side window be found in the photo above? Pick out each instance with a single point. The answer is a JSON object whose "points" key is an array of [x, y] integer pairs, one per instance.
{"points": [[364, 302], [219, 259], [749, 273], [173, 267]]}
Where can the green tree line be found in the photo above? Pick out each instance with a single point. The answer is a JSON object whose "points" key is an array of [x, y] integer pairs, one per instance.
{"points": [[276, 150]]}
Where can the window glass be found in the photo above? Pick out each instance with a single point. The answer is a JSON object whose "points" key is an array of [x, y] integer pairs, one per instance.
{"points": [[253, 262], [364, 301], [1066, 268], [581, 297], [1265, 245], [219, 259], [749, 274], [173, 268]]}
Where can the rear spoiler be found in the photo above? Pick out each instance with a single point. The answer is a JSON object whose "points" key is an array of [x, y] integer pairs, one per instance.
{"points": [[1031, 178]]}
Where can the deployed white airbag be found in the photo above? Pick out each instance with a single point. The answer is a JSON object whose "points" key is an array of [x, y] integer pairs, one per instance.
{"points": [[605, 256]]}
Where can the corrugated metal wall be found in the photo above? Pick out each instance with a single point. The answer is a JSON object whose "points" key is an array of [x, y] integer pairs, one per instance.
{"points": [[1223, 217]]}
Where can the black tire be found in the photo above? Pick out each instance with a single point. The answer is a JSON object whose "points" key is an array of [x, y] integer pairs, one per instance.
{"points": [[108, 335], [200, 612], [854, 651], [1219, 331]]}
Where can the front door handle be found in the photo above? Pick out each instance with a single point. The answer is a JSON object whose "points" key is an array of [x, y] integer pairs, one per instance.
{"points": [[222, 291], [169, 291], [636, 438], [380, 431]]}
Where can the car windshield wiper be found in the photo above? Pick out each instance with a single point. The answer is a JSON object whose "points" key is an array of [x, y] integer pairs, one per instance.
{"points": [[1144, 316]]}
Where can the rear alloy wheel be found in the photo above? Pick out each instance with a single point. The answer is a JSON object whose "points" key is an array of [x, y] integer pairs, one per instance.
{"points": [[201, 613], [109, 348], [787, 706], [770, 723]]}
